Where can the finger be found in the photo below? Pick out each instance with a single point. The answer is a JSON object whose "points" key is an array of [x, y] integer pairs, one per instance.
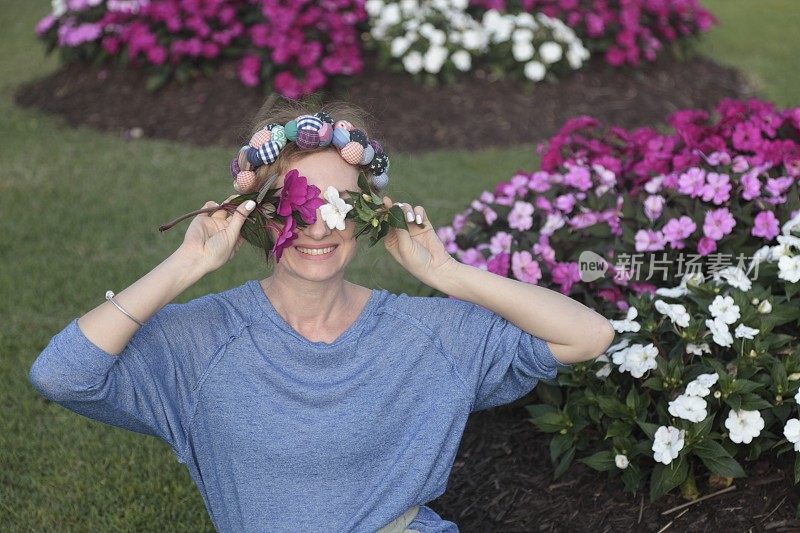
{"points": [[221, 214], [239, 216], [419, 215], [209, 203]]}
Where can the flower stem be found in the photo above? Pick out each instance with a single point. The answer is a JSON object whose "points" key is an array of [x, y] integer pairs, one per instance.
{"points": [[225, 206]]}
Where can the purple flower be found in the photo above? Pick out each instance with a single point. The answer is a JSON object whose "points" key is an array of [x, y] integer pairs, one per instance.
{"points": [[250, 70], [751, 186], [677, 229], [692, 181], [499, 264], [717, 188], [501, 242], [647, 240], [706, 246], [653, 206], [718, 223], [525, 268], [520, 217], [285, 238], [297, 195], [765, 225]]}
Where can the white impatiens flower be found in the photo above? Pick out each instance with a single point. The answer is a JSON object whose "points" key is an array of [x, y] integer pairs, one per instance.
{"points": [[434, 58], [399, 46], [412, 62], [792, 432], [744, 426], [743, 331], [373, 7], [735, 277], [628, 324], [334, 212], [691, 408], [790, 225], [667, 443], [621, 461], [462, 60], [676, 312], [797, 397], [721, 334], [605, 370], [723, 307], [636, 359], [789, 268], [550, 52], [522, 35], [760, 255], [59, 7], [522, 51], [576, 55], [765, 307], [535, 70], [701, 385], [697, 349]]}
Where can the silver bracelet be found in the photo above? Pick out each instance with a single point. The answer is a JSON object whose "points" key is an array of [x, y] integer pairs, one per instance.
{"points": [[110, 298]]}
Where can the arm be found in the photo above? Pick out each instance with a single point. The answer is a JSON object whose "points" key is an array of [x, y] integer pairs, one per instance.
{"points": [[574, 332]]}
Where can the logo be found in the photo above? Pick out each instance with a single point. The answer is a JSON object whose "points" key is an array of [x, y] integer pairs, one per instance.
{"points": [[591, 266]]}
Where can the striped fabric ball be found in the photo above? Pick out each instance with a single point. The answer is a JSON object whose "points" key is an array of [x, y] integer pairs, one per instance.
{"points": [[381, 180], [352, 152], [259, 138], [245, 182], [340, 137], [307, 139], [343, 124], [308, 122], [325, 134], [268, 152], [369, 153], [241, 159]]}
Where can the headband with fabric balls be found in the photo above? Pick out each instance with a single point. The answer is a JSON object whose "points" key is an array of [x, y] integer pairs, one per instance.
{"points": [[308, 132]]}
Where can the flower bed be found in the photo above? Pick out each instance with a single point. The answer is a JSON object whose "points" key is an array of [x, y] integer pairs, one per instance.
{"points": [[718, 193]]}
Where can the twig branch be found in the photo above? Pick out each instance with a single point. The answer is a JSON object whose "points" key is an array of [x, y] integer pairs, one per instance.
{"points": [[698, 500]]}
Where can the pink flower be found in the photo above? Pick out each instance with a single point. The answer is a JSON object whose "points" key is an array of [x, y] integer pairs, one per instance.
{"points": [[499, 264], [520, 217], [677, 229], [525, 268], [751, 186], [501, 242], [692, 181], [249, 70], [765, 225], [44, 25], [653, 205], [565, 275], [706, 246], [648, 240], [718, 223], [717, 188], [297, 195], [285, 238], [473, 257]]}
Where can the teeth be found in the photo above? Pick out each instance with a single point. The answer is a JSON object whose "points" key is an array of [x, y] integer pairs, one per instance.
{"points": [[311, 251]]}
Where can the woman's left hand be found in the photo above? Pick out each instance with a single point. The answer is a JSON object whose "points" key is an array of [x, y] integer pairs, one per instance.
{"points": [[419, 249]]}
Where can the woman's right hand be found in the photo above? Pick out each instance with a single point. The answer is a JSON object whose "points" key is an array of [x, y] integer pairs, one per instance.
{"points": [[212, 240]]}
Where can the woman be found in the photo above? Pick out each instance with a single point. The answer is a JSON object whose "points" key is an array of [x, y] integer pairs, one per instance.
{"points": [[304, 402]]}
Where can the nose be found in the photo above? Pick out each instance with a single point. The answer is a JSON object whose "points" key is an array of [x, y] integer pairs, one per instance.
{"points": [[319, 229]]}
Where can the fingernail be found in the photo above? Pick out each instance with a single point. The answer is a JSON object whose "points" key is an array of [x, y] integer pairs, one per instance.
{"points": [[249, 204], [419, 219], [409, 216]]}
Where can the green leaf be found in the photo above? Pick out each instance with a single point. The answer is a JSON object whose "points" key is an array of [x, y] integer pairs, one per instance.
{"points": [[703, 428], [601, 461], [754, 402], [666, 477], [396, 218], [550, 422], [566, 460], [619, 428], [362, 182], [648, 428], [612, 407], [558, 445], [717, 459], [538, 409], [797, 470]]}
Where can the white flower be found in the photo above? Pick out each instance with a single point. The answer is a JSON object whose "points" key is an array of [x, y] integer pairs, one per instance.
{"points": [[605, 370], [744, 331], [787, 228], [399, 46], [628, 324], [535, 71], [691, 408], [797, 397], [698, 349], [673, 292], [434, 58], [789, 268], [526, 20], [59, 8], [735, 277], [551, 52], [438, 37], [723, 308], [334, 212], [667, 442], [719, 329], [390, 15], [765, 307], [522, 51], [792, 432], [462, 60], [473, 39], [576, 55], [412, 62], [676, 313], [636, 359], [744, 426], [373, 7], [621, 461], [789, 241], [409, 7], [522, 35], [701, 385], [760, 255]]}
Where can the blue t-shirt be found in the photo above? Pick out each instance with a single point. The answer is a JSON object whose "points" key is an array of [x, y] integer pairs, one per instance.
{"points": [[283, 434]]}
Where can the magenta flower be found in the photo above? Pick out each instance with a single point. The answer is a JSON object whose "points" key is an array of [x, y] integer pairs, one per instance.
{"points": [[692, 182], [706, 245], [520, 217], [648, 240], [285, 238], [298, 195], [525, 268], [751, 186], [718, 223], [765, 225], [678, 229], [499, 264], [250, 70]]}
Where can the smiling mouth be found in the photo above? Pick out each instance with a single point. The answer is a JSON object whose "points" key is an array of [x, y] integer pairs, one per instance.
{"points": [[315, 252]]}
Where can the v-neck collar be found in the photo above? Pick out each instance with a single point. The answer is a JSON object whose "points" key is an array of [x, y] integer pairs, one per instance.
{"points": [[269, 310]]}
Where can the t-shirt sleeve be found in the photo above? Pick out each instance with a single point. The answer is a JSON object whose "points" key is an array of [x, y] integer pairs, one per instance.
{"points": [[146, 388], [499, 361]]}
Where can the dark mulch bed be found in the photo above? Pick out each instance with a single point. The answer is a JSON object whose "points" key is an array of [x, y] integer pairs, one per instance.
{"points": [[502, 480], [475, 112]]}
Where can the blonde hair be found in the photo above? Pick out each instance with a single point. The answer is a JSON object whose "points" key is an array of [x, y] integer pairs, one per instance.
{"points": [[281, 110]]}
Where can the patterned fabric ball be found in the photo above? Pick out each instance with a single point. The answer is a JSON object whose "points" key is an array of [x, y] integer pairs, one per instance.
{"points": [[324, 117], [376, 146], [268, 152], [308, 122], [245, 182], [307, 139], [358, 136], [379, 165], [290, 130], [259, 138], [241, 159], [344, 125], [369, 153], [279, 135], [381, 180], [325, 134], [352, 152], [340, 137], [234, 166]]}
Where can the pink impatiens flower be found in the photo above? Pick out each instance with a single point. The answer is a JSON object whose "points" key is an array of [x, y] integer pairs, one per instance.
{"points": [[520, 217], [298, 195], [285, 238], [765, 225], [525, 268], [678, 229], [648, 240], [499, 264], [718, 223], [717, 188]]}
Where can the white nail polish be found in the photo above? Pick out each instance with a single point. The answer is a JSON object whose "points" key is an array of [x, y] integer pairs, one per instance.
{"points": [[419, 219], [409, 216]]}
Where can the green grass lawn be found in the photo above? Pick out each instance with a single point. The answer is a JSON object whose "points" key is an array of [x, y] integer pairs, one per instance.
{"points": [[81, 212]]}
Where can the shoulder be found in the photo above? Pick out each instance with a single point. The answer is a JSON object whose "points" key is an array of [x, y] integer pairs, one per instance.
{"points": [[436, 315]]}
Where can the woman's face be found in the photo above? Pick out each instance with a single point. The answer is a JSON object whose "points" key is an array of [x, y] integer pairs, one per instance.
{"points": [[322, 169]]}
